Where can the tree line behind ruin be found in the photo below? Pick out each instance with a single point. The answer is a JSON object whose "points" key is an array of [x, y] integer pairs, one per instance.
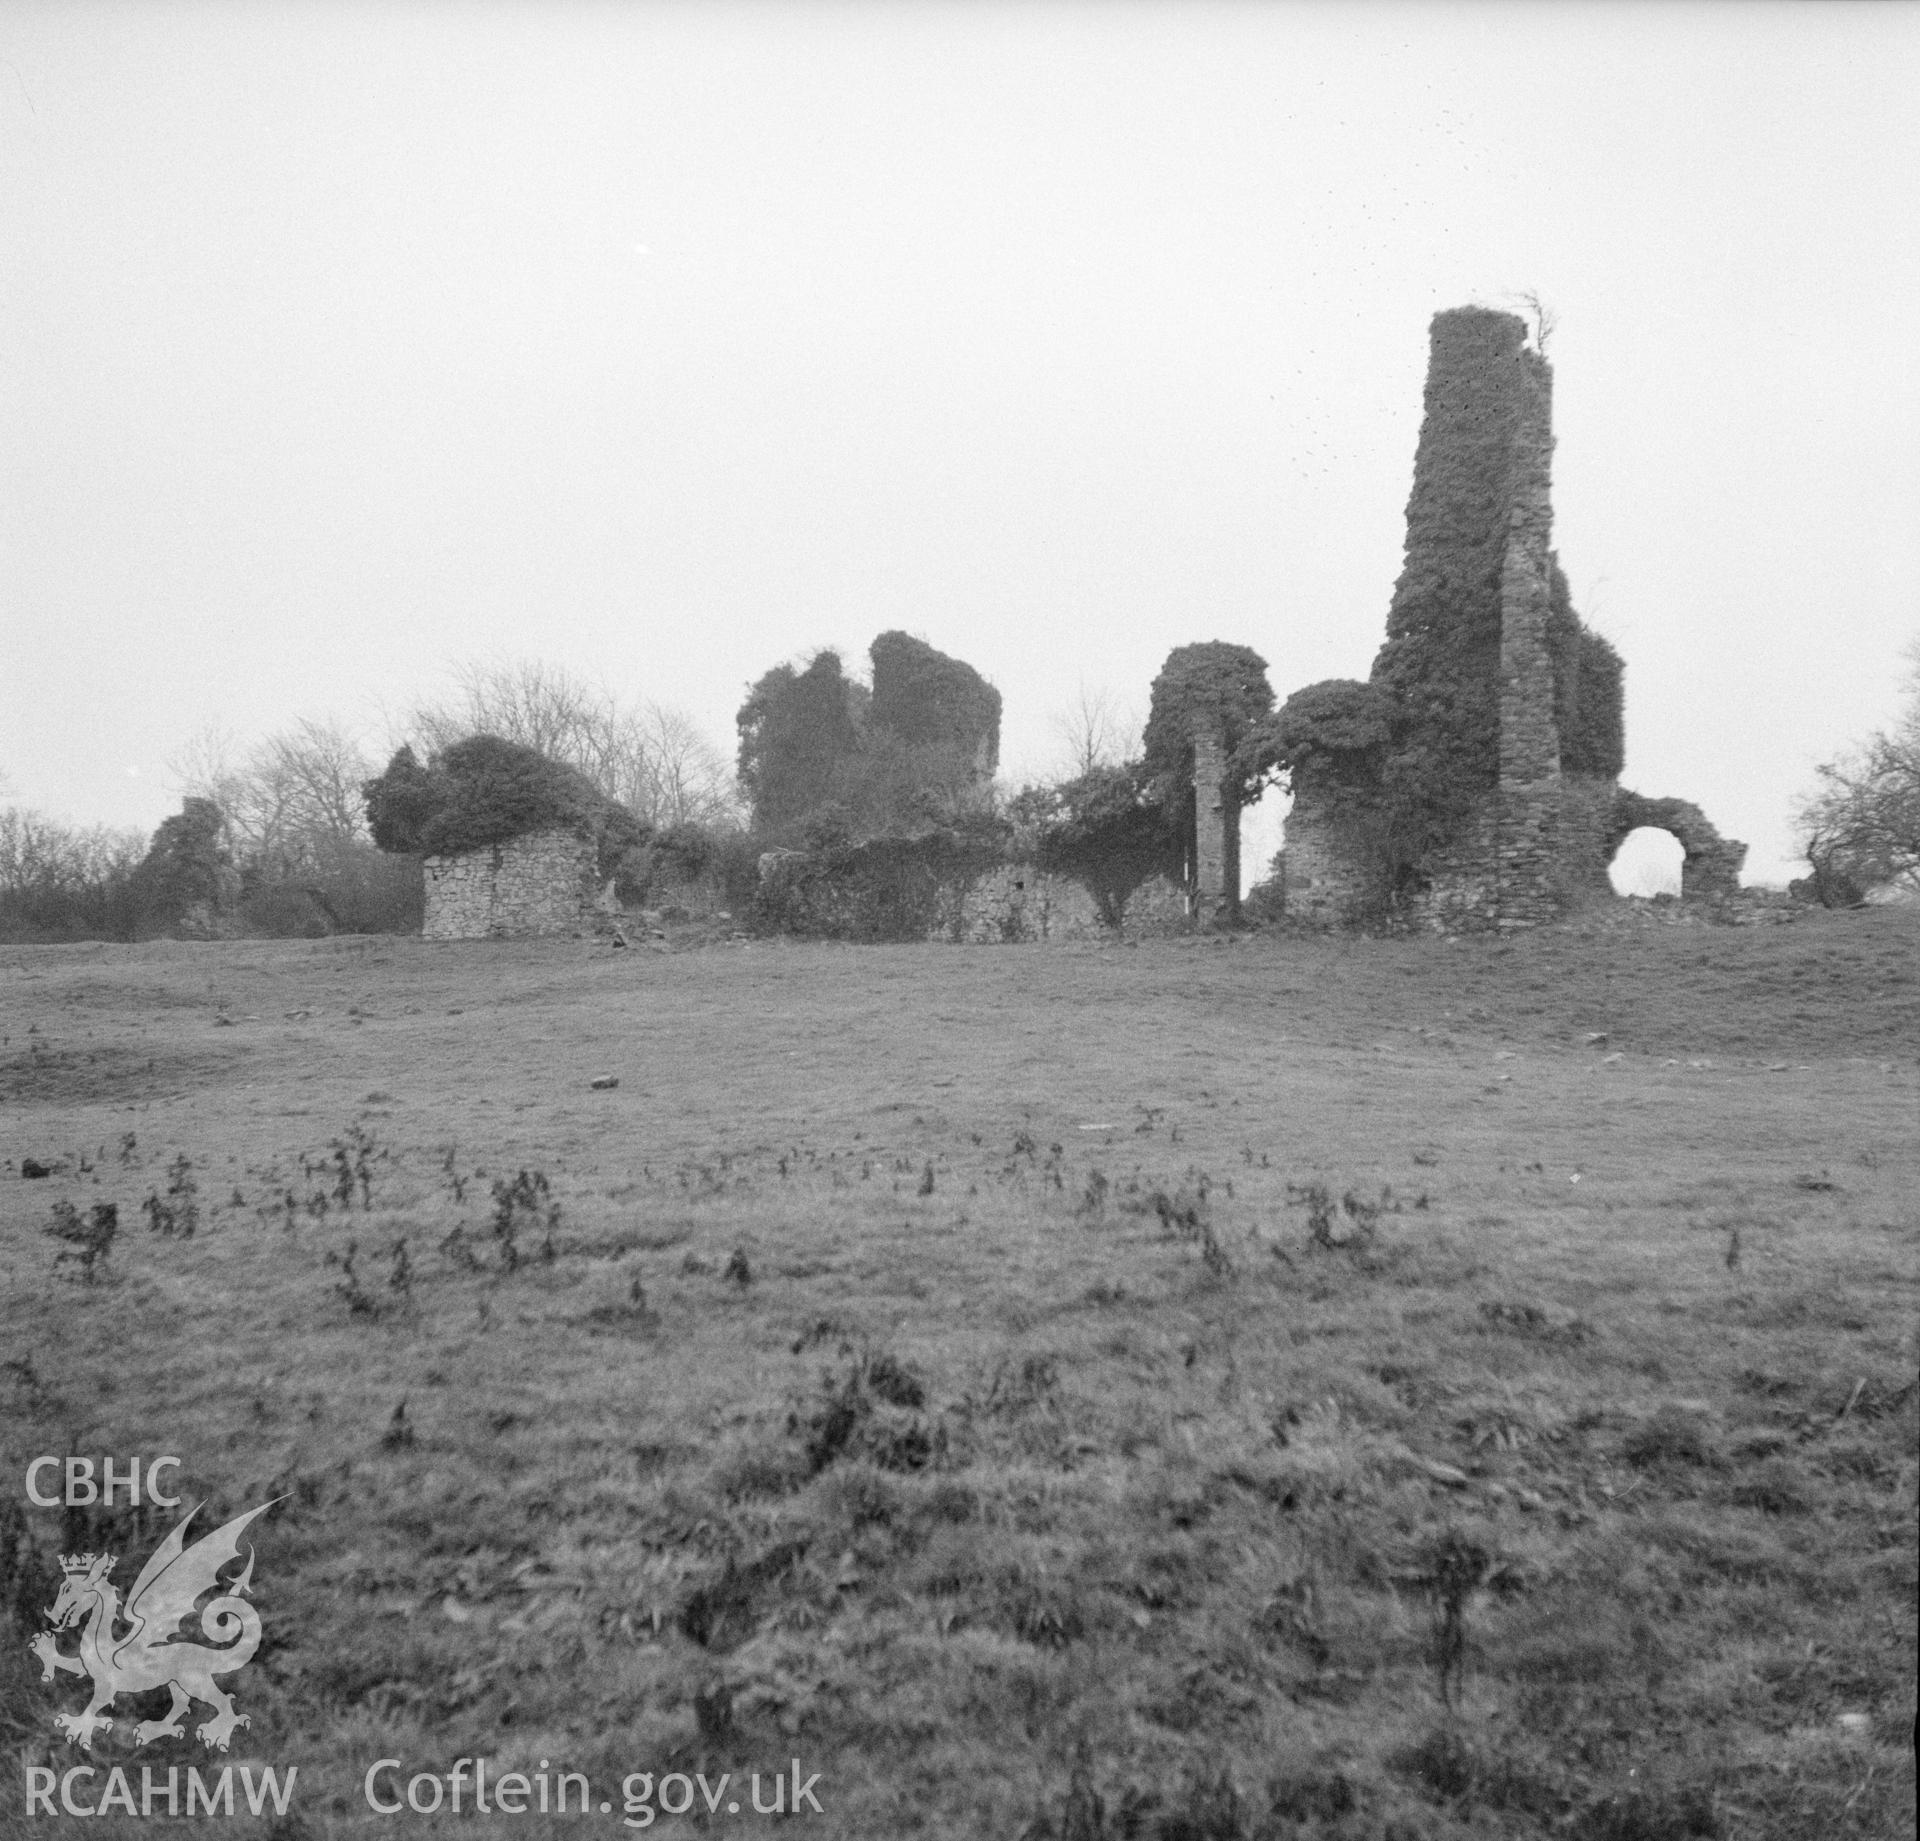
{"points": [[1472, 779]]}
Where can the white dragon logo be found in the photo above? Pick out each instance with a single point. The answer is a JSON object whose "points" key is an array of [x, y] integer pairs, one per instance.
{"points": [[145, 1655]]}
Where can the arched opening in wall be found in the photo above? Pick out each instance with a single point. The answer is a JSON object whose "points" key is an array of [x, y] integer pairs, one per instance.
{"points": [[1647, 863]]}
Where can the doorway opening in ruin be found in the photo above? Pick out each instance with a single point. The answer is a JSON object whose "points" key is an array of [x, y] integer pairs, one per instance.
{"points": [[1260, 836], [1647, 863]]}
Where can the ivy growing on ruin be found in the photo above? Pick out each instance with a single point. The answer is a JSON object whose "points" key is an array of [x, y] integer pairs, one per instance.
{"points": [[1210, 697], [1210, 683], [187, 864], [821, 753], [1470, 769], [402, 802], [1588, 694], [1440, 664], [1106, 831], [795, 728], [929, 700], [1337, 732], [484, 791], [879, 889]]}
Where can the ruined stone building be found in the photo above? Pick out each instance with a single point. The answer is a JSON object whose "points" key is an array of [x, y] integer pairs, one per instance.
{"points": [[928, 701], [1473, 780], [512, 844], [540, 883]]}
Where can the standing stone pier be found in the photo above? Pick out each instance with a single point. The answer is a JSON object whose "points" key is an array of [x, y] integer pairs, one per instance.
{"points": [[1216, 831]]}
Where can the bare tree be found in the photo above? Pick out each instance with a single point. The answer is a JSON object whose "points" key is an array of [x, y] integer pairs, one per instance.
{"points": [[650, 758], [32, 850], [291, 804], [62, 881], [1861, 830], [691, 781], [209, 766], [1095, 730], [293, 824], [319, 770], [541, 706]]}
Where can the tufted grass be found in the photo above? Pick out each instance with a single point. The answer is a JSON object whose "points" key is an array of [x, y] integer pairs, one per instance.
{"points": [[973, 1478]]}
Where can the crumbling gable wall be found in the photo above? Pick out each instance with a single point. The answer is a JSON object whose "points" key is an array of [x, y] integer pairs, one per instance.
{"points": [[1494, 800]]}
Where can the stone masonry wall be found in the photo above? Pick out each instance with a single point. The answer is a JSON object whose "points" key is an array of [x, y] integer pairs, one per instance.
{"points": [[542, 883], [1470, 660], [1326, 882], [1529, 741], [1018, 904], [1587, 838], [1710, 870], [1501, 869], [1524, 850]]}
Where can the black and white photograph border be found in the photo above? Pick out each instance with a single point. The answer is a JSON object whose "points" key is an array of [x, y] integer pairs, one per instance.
{"points": [[959, 920]]}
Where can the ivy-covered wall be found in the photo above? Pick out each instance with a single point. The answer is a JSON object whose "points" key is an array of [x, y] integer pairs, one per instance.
{"points": [[795, 727], [1208, 749], [1473, 781], [932, 701], [1588, 696], [1440, 664], [995, 885], [888, 888]]}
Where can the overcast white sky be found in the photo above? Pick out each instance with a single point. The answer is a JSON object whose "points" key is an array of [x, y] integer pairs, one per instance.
{"points": [[339, 343]]}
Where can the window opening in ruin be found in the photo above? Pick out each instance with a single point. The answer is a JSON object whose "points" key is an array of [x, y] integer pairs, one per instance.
{"points": [[1647, 863]]}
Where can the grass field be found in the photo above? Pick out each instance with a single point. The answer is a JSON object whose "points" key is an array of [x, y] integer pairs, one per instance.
{"points": [[1279, 1388]]}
